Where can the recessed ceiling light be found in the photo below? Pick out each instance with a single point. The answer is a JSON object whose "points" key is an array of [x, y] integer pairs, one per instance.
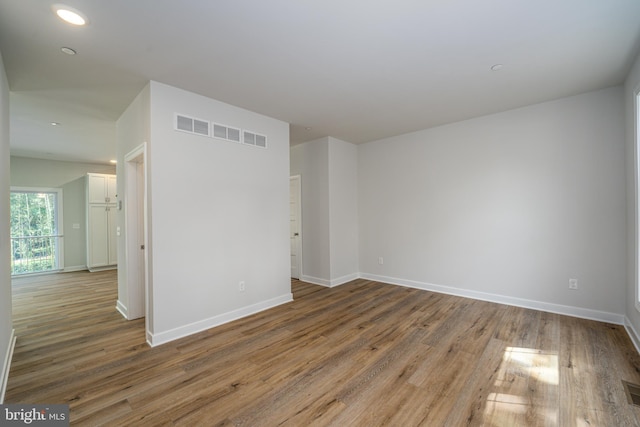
{"points": [[113, 161], [55, 124], [496, 67], [68, 50], [70, 15]]}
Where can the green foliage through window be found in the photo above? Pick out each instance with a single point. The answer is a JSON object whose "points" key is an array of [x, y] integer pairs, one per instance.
{"points": [[33, 232]]}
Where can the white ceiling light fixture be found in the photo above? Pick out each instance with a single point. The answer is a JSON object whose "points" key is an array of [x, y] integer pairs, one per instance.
{"points": [[496, 67], [54, 124], [68, 50], [70, 15]]}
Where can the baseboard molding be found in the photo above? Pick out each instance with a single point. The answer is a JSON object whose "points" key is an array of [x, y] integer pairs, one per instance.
{"points": [[344, 279], [584, 313], [122, 309], [315, 281], [75, 268], [156, 339], [105, 268], [6, 366], [330, 283], [633, 334]]}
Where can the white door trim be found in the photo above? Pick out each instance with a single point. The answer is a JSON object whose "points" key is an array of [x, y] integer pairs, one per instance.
{"points": [[138, 293], [298, 240]]}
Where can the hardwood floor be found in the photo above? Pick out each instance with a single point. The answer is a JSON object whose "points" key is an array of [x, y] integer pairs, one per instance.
{"points": [[362, 354]]}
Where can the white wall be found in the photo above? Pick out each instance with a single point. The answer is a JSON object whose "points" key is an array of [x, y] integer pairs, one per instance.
{"points": [[30, 172], [70, 176], [343, 210], [510, 205], [220, 216], [6, 324], [328, 170], [632, 85]]}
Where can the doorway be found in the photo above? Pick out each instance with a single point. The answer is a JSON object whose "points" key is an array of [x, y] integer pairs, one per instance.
{"points": [[135, 224], [295, 225]]}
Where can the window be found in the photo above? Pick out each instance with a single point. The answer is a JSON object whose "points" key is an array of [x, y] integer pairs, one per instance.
{"points": [[36, 230]]}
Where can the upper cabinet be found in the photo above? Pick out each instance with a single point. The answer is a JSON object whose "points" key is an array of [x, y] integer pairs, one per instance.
{"points": [[101, 188]]}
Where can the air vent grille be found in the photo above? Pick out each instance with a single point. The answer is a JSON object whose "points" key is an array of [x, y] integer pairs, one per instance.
{"points": [[226, 132], [200, 127], [219, 131], [195, 126], [192, 125], [184, 123], [251, 138], [233, 134], [261, 141]]}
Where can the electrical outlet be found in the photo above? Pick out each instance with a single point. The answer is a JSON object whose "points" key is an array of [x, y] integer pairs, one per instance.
{"points": [[380, 260], [241, 286], [573, 284]]}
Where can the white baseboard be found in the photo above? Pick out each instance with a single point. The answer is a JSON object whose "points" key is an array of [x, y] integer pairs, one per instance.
{"points": [[6, 366], [583, 313], [122, 309], [344, 279], [330, 283], [156, 339], [633, 334], [105, 268], [315, 281], [75, 268]]}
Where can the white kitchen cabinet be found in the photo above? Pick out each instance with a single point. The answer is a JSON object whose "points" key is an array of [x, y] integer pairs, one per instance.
{"points": [[101, 188], [101, 222]]}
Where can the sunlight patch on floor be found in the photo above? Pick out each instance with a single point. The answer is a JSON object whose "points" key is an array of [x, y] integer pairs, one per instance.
{"points": [[539, 365], [525, 377]]}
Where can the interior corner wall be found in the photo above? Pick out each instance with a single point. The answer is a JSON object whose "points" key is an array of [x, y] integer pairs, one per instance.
{"points": [[512, 204], [632, 86], [343, 211], [132, 130], [70, 176], [220, 216], [311, 161], [6, 323], [329, 177]]}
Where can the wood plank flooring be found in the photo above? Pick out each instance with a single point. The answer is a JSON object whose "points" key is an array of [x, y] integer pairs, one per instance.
{"points": [[362, 354]]}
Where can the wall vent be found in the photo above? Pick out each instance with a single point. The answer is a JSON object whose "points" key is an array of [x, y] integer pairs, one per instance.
{"points": [[195, 126], [251, 138], [633, 393], [226, 132], [192, 125], [200, 127], [184, 123]]}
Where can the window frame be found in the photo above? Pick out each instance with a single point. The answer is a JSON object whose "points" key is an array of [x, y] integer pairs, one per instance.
{"points": [[59, 220]]}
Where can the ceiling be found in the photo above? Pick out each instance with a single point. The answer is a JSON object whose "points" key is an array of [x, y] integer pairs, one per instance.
{"points": [[357, 70]]}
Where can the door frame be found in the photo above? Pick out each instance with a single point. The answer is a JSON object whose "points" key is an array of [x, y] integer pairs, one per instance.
{"points": [[137, 293], [298, 241]]}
